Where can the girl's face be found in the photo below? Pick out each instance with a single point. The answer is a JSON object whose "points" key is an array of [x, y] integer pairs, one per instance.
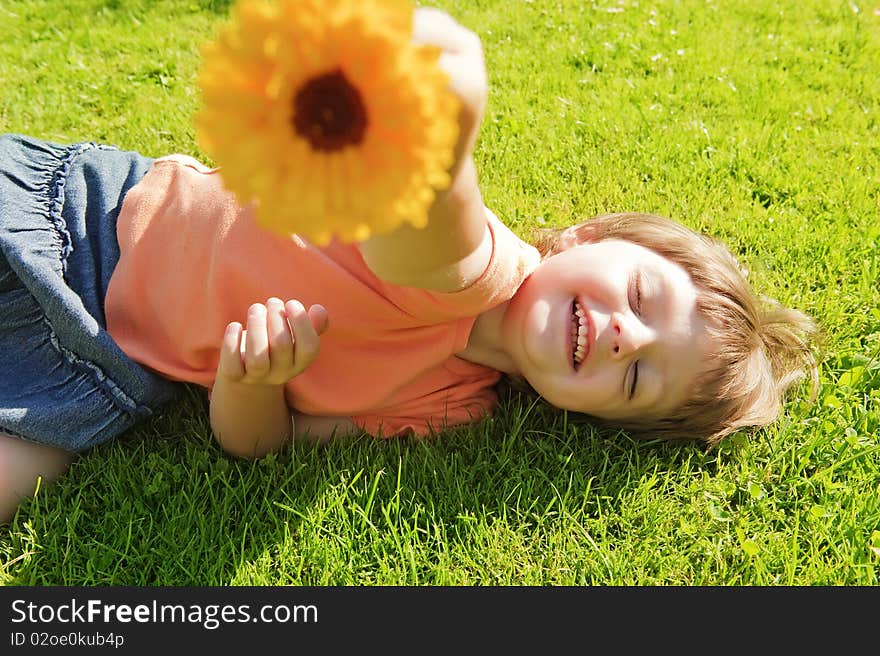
{"points": [[609, 329]]}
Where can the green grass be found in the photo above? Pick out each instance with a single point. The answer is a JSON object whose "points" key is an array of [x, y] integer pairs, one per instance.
{"points": [[754, 121]]}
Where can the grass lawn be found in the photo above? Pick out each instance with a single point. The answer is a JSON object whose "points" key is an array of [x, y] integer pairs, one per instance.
{"points": [[758, 122]]}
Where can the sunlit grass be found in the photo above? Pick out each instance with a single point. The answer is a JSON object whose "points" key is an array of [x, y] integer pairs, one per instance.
{"points": [[756, 122]]}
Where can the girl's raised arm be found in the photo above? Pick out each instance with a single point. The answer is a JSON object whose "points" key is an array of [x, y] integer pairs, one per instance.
{"points": [[454, 248]]}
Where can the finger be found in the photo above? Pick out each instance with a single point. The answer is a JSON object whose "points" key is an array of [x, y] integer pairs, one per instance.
{"points": [[432, 26], [320, 320], [305, 337], [256, 356], [280, 339], [231, 364]]}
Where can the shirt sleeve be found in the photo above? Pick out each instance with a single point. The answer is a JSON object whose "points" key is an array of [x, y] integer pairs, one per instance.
{"points": [[511, 261]]}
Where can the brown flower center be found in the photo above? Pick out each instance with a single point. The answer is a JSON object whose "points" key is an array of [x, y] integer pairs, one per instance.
{"points": [[329, 112]]}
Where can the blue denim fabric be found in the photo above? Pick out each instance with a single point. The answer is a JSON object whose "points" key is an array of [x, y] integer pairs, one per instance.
{"points": [[63, 380]]}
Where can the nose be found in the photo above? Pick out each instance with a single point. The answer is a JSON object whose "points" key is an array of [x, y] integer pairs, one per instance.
{"points": [[628, 335]]}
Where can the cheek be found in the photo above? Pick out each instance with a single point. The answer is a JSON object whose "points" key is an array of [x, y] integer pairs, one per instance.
{"points": [[536, 317], [602, 283], [595, 395], [528, 309]]}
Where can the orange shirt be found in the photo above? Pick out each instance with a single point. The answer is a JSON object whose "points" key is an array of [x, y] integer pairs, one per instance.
{"points": [[192, 260]]}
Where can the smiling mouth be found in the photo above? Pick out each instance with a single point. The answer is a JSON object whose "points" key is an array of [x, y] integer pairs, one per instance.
{"points": [[579, 335]]}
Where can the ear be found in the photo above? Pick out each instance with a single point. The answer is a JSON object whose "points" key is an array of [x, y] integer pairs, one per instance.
{"points": [[576, 235]]}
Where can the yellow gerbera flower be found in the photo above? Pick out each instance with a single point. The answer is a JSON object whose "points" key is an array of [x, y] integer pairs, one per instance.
{"points": [[326, 116]]}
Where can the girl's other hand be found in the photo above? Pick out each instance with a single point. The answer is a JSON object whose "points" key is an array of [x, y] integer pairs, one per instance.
{"points": [[281, 340]]}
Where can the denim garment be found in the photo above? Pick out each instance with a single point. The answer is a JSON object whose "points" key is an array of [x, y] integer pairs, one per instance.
{"points": [[63, 380]]}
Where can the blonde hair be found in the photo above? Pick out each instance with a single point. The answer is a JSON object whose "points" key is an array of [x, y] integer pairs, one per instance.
{"points": [[759, 348]]}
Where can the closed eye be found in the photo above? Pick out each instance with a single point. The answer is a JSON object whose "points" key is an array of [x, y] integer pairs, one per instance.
{"points": [[635, 380], [636, 305], [636, 293]]}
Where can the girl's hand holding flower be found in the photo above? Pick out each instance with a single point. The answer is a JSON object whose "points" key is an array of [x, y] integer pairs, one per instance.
{"points": [[330, 118], [461, 58]]}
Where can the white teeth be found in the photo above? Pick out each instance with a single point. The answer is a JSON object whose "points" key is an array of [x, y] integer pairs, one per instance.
{"points": [[578, 334]]}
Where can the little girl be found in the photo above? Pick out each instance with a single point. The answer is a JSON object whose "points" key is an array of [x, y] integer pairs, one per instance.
{"points": [[122, 277]]}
